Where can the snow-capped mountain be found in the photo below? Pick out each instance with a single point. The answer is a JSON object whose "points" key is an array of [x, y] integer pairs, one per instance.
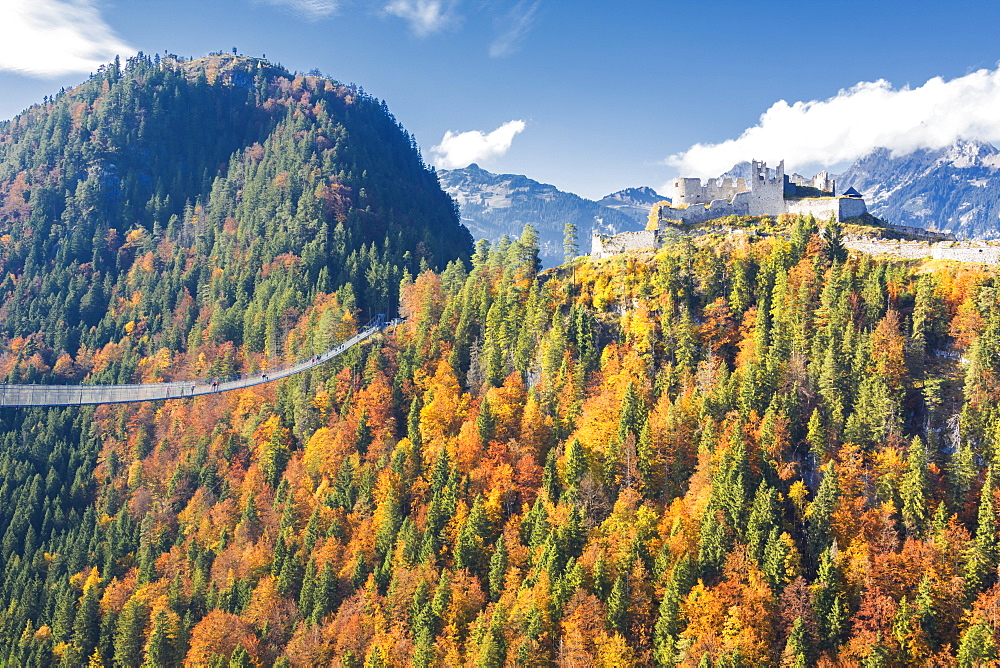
{"points": [[954, 189], [492, 205]]}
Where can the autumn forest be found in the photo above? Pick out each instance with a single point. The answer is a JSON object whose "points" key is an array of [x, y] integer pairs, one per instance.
{"points": [[745, 449]]}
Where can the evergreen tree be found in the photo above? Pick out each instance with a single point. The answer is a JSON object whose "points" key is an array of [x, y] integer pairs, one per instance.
{"points": [[913, 489], [618, 603], [86, 625], [978, 648], [469, 546], [129, 635], [668, 624], [820, 512], [159, 651], [570, 246], [816, 437], [830, 604], [795, 654], [498, 569], [982, 555]]}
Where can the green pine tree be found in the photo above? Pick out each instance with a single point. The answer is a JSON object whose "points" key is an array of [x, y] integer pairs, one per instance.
{"points": [[129, 634], [913, 489]]}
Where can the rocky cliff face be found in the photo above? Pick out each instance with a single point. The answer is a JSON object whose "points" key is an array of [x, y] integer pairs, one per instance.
{"points": [[493, 205], [953, 189]]}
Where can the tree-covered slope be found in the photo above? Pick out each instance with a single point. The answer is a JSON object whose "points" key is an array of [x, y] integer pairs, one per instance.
{"points": [[172, 219], [224, 179], [748, 450]]}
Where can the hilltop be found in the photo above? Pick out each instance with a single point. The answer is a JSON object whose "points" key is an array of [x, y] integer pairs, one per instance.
{"points": [[259, 178]]}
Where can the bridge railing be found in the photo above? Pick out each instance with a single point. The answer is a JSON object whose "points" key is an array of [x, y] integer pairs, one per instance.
{"points": [[375, 324], [63, 395]]}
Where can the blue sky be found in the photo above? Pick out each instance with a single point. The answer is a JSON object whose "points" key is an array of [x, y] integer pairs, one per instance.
{"points": [[590, 96]]}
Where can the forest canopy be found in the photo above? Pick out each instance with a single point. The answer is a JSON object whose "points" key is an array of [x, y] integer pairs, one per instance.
{"points": [[749, 449]]}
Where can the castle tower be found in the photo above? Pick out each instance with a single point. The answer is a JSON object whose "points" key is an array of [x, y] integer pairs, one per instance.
{"points": [[767, 189]]}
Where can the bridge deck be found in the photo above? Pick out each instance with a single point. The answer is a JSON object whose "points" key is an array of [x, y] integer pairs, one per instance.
{"points": [[79, 395]]}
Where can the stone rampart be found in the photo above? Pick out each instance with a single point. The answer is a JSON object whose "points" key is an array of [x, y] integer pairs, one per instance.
{"points": [[915, 250], [821, 208], [605, 246], [824, 208], [922, 233]]}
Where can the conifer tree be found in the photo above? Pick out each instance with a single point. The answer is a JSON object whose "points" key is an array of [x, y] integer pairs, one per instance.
{"points": [[469, 546], [667, 629], [576, 465], [129, 633], [618, 603], [820, 512], [829, 604], [86, 625], [816, 437], [981, 559], [240, 658], [913, 489], [158, 647], [978, 648], [795, 654], [570, 246], [498, 569]]}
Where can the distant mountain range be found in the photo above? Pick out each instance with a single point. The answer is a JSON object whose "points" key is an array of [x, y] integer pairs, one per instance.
{"points": [[492, 205], [953, 189]]}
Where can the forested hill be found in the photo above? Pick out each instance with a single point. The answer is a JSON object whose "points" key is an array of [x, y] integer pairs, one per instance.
{"points": [[222, 192], [177, 220], [750, 449]]}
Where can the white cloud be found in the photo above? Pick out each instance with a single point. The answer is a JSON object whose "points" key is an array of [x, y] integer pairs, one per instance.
{"points": [[462, 149], [853, 122], [425, 16], [513, 27], [55, 37], [311, 10]]}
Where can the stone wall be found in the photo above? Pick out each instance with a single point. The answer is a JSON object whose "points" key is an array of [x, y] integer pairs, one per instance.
{"points": [[691, 191], [821, 208], [915, 250], [763, 202], [824, 208], [922, 233], [851, 207], [602, 246], [699, 213], [982, 253]]}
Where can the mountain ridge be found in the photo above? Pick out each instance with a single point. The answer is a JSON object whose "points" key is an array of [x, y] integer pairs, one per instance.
{"points": [[951, 189], [493, 205]]}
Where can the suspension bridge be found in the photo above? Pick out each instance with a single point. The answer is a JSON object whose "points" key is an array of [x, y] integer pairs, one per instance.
{"points": [[82, 395]]}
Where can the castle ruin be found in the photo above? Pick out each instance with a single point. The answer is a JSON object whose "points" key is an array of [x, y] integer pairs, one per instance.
{"points": [[767, 192]]}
